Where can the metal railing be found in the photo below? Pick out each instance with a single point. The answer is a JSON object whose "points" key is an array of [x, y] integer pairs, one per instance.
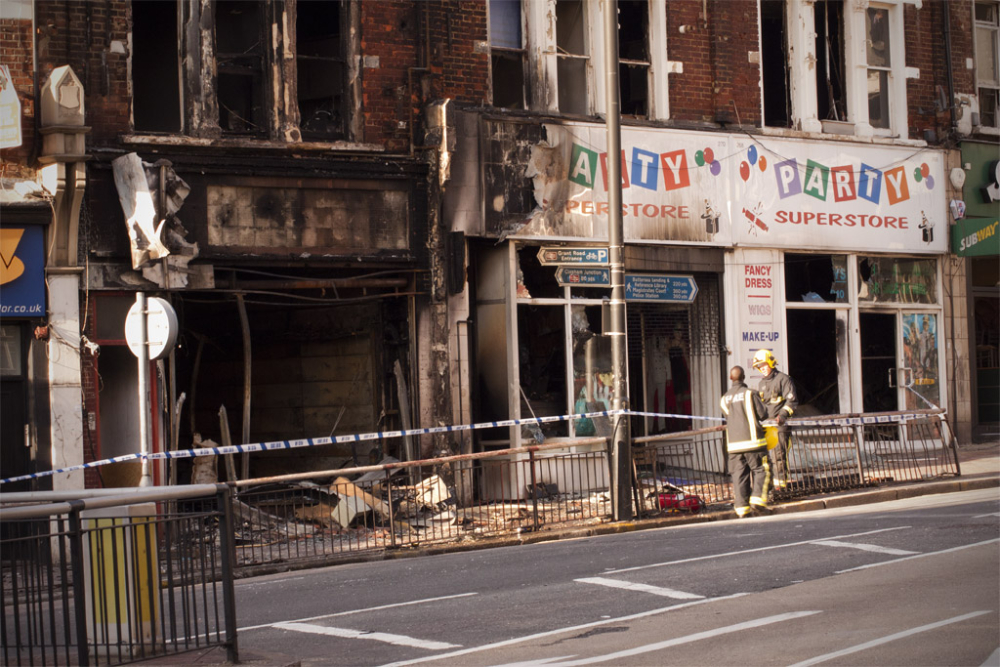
{"points": [[314, 518], [111, 579]]}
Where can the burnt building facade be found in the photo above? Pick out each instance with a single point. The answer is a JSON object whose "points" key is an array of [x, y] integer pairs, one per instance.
{"points": [[359, 212]]}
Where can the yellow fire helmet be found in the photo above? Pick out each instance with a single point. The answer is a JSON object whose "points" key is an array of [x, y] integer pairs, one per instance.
{"points": [[762, 358]]}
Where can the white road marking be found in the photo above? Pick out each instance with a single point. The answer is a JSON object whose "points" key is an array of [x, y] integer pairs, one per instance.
{"points": [[537, 663], [698, 636], [866, 547], [993, 660], [885, 640], [347, 633], [359, 611], [749, 551], [641, 588], [983, 516], [931, 553], [561, 631]]}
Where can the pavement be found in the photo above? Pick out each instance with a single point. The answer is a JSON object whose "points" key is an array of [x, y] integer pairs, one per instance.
{"points": [[979, 465]]}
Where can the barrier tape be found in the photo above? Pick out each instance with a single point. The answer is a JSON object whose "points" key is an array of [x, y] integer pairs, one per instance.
{"points": [[384, 435]]}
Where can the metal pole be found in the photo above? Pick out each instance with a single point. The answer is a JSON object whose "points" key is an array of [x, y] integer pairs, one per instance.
{"points": [[621, 449], [227, 549], [144, 440]]}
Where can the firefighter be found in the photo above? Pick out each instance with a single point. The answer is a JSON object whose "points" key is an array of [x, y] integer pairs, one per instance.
{"points": [[777, 392], [746, 445]]}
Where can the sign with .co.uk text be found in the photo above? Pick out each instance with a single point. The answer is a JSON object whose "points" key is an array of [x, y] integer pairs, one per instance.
{"points": [[22, 272]]}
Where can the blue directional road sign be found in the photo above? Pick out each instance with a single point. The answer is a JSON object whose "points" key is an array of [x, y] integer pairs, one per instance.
{"points": [[660, 287], [549, 255], [583, 276]]}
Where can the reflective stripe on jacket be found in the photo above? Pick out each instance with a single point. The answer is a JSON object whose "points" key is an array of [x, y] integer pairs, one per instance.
{"points": [[744, 412]]}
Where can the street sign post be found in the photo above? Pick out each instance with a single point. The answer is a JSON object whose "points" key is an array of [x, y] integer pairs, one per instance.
{"points": [[660, 287], [583, 277], [557, 255]]}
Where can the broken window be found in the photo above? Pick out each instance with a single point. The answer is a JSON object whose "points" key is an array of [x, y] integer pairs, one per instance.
{"points": [[156, 96], [828, 96], [879, 66], [321, 68], [571, 52], [774, 64], [240, 48], [816, 278], [507, 54], [988, 62], [633, 57], [830, 90]]}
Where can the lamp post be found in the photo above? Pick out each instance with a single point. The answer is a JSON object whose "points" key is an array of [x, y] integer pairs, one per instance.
{"points": [[621, 447]]}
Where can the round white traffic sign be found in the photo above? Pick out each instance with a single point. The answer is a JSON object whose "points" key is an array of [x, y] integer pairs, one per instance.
{"points": [[161, 328]]}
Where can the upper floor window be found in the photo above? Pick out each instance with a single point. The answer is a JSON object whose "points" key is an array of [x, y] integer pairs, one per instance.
{"points": [[633, 57], [572, 58], [175, 43], [988, 62], [507, 54], [838, 66]]}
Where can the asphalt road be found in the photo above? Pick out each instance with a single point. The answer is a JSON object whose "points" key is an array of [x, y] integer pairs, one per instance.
{"points": [[908, 582]]}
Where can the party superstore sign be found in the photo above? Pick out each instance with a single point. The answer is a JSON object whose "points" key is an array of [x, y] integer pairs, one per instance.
{"points": [[678, 187]]}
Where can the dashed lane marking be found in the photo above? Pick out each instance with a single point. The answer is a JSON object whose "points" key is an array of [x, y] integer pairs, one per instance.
{"points": [[347, 633], [866, 547], [641, 588]]}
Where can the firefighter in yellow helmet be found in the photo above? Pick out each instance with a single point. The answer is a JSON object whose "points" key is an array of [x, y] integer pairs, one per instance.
{"points": [[745, 445], [777, 392]]}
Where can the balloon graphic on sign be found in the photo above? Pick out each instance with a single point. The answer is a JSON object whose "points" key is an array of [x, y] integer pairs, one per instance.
{"points": [[716, 168], [699, 158], [930, 182], [752, 154], [762, 163], [709, 155], [744, 171], [925, 171], [918, 175]]}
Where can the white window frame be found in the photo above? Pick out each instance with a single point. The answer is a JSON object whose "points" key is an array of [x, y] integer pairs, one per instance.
{"points": [[994, 28], [799, 26]]}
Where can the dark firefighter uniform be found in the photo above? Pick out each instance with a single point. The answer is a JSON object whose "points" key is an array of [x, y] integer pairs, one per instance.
{"points": [[746, 447], [777, 391]]}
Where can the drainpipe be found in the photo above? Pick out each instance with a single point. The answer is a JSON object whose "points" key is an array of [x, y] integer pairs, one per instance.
{"points": [[949, 69]]}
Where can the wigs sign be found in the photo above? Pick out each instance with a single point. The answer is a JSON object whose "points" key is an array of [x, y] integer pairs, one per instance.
{"points": [[736, 190]]}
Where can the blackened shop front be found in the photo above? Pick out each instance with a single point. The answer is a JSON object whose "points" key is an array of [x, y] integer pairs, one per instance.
{"points": [[826, 253]]}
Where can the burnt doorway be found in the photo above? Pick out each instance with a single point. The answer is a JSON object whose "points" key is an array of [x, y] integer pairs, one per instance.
{"points": [[15, 453], [878, 361], [814, 337]]}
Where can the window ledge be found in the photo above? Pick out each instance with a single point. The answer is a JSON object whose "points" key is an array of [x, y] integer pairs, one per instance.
{"points": [[848, 138], [179, 140]]}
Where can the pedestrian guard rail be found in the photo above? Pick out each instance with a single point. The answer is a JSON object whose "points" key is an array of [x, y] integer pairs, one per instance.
{"points": [[117, 576], [315, 518], [83, 587]]}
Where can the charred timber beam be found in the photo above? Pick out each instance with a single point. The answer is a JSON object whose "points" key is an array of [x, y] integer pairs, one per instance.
{"points": [[345, 283]]}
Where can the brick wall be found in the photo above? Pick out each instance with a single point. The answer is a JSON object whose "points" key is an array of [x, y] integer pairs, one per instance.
{"points": [[90, 37], [15, 53]]}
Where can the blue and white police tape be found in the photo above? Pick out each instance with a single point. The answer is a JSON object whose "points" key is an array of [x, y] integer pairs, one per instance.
{"points": [[385, 435], [311, 442]]}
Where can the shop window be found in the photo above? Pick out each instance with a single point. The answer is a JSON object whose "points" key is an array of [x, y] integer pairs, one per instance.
{"points": [[988, 62], [571, 54], [156, 95], [541, 334], [321, 68], [507, 54], [897, 280], [816, 278], [593, 388], [10, 351], [535, 281], [633, 57]]}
